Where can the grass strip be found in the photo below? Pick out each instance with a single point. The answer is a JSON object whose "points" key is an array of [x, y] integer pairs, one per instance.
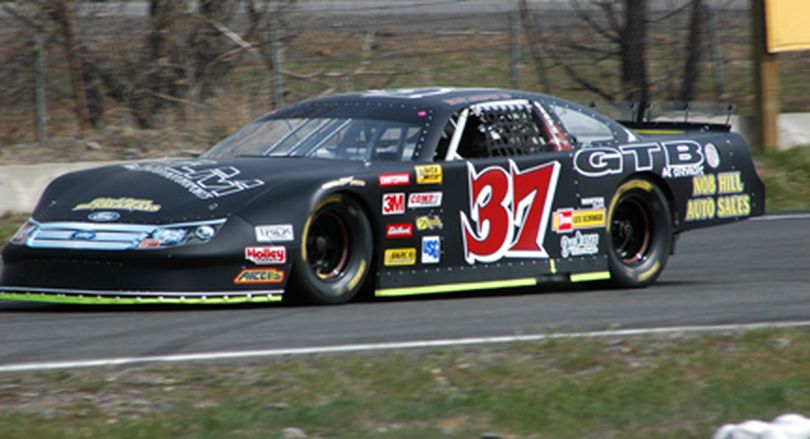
{"points": [[639, 387]]}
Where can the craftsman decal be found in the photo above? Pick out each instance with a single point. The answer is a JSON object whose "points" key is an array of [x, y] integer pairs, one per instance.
{"points": [[509, 211], [395, 179]]}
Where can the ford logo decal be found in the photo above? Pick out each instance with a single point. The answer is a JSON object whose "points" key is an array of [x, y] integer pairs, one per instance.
{"points": [[83, 235], [104, 217]]}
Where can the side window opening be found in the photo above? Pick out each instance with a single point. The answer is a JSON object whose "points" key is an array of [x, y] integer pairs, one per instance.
{"points": [[585, 128]]}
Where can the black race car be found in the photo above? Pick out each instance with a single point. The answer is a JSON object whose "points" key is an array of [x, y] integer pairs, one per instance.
{"points": [[387, 192]]}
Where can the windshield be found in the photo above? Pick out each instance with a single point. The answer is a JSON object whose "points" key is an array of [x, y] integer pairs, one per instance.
{"points": [[339, 138]]}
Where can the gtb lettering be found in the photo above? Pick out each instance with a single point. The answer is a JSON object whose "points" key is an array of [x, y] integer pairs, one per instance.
{"points": [[509, 211]]}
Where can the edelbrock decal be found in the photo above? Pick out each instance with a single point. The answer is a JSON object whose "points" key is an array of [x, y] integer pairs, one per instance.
{"points": [[400, 230], [509, 211], [204, 180], [274, 233]]}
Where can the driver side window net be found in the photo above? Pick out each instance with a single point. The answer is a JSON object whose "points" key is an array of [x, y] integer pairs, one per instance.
{"points": [[500, 131]]}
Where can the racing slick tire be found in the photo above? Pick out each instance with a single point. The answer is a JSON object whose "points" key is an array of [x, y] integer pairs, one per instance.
{"points": [[335, 256], [639, 234]]}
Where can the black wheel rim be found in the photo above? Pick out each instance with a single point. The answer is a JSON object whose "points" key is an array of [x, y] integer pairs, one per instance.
{"points": [[631, 231], [328, 246]]}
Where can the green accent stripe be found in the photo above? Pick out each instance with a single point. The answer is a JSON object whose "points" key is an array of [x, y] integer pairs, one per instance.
{"points": [[450, 288], [590, 277], [95, 300]]}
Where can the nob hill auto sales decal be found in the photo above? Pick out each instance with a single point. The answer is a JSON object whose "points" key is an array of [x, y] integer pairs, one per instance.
{"points": [[509, 211]]}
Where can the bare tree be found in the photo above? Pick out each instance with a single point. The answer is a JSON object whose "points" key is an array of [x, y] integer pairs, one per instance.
{"points": [[532, 30], [693, 51]]}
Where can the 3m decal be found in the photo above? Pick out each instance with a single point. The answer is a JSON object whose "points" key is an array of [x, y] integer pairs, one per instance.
{"points": [[266, 255], [345, 181], [428, 174], [566, 220], [420, 200], [395, 179], [398, 257], [509, 211], [730, 204], [682, 158], [428, 222], [580, 244], [274, 233], [393, 204], [401, 230], [259, 276], [431, 249], [130, 204], [201, 178]]}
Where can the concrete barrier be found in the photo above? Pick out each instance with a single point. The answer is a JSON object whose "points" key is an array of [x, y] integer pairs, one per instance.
{"points": [[22, 185], [794, 129]]}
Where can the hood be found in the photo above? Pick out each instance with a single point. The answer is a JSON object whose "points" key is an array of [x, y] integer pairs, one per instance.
{"points": [[163, 192]]}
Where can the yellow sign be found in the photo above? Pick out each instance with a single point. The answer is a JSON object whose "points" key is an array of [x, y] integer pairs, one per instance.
{"points": [[786, 25], [398, 257], [131, 204], [259, 276], [566, 220], [428, 174]]}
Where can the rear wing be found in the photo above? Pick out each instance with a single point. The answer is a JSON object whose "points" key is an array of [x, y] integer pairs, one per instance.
{"points": [[671, 117]]}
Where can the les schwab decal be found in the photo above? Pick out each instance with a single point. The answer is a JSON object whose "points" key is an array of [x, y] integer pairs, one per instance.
{"points": [[729, 203], [259, 276], [509, 211], [130, 204], [683, 158]]}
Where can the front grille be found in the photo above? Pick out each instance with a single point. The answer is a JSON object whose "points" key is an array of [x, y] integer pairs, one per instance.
{"points": [[89, 236]]}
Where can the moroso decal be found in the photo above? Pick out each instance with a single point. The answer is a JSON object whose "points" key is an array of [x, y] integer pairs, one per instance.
{"points": [[509, 211], [201, 178], [401, 230], [420, 200], [275, 233], [395, 179], [266, 255], [259, 276], [130, 204], [682, 158], [398, 257], [428, 222], [393, 204], [428, 174], [567, 220]]}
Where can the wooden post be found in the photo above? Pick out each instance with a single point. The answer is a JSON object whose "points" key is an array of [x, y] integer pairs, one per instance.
{"points": [[766, 77], [39, 87]]}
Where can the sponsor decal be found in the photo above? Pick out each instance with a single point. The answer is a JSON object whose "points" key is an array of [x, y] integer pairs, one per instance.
{"points": [[393, 204], [104, 216], [428, 222], [202, 178], [401, 230], [580, 244], [274, 233], [682, 158], [509, 211], [395, 179], [594, 202], [712, 155], [428, 174], [259, 276], [420, 200], [130, 204], [344, 181], [567, 220], [431, 249], [266, 255], [83, 235], [730, 202], [398, 257]]}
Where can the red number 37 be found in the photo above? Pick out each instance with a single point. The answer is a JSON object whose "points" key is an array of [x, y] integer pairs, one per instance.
{"points": [[509, 212]]}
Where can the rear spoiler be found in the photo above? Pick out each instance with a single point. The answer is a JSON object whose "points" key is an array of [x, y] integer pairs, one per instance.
{"points": [[674, 118]]}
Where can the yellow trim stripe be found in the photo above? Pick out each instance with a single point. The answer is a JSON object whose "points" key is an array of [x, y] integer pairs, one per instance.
{"points": [[95, 300], [450, 288], [590, 277], [657, 131]]}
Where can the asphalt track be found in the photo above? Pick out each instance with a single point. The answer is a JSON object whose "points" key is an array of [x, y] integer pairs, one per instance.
{"points": [[750, 272]]}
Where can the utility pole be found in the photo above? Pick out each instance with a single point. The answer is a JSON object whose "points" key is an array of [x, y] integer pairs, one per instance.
{"points": [[766, 80]]}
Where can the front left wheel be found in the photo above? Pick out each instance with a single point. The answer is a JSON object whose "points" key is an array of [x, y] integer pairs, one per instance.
{"points": [[335, 256]]}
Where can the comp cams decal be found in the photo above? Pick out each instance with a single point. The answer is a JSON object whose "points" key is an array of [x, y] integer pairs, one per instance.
{"points": [[129, 204], [419, 200], [274, 233], [509, 211], [399, 257], [259, 276], [718, 196], [683, 158], [202, 179], [266, 255]]}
